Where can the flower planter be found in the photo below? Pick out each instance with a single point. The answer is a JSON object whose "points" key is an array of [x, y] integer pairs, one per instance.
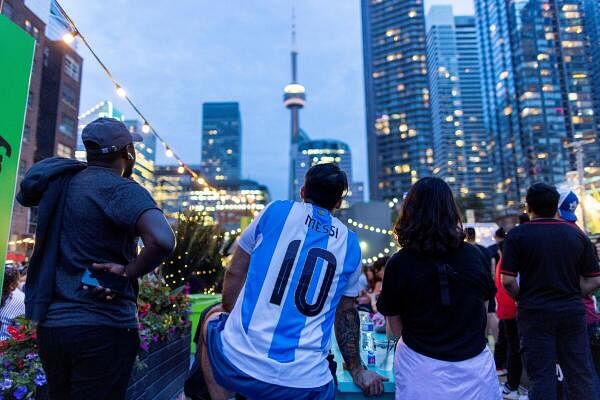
{"points": [[164, 370]]}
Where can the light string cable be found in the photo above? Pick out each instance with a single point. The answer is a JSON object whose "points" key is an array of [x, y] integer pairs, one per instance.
{"points": [[147, 127]]}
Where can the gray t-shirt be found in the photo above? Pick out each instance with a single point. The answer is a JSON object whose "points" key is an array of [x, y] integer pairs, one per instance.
{"points": [[101, 211]]}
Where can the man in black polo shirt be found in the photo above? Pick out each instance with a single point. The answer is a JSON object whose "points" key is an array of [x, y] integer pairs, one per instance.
{"points": [[547, 265]]}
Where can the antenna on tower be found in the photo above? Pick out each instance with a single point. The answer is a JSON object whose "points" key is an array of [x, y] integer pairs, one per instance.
{"points": [[294, 51], [293, 25]]}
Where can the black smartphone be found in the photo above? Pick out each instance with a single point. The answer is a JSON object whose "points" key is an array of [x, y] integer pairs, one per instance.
{"points": [[107, 280]]}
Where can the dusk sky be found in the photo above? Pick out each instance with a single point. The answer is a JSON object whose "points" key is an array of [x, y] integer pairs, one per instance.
{"points": [[173, 56]]}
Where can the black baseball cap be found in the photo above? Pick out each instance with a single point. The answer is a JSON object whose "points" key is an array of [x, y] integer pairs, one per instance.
{"points": [[109, 135]]}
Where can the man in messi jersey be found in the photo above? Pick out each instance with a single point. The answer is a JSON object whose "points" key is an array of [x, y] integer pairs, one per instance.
{"points": [[294, 273]]}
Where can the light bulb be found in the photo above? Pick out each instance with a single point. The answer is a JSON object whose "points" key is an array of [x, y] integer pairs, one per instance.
{"points": [[201, 181], [181, 170], [121, 92], [69, 37], [169, 153], [146, 128]]}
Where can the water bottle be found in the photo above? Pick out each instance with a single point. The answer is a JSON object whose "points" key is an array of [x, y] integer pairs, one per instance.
{"points": [[371, 358], [366, 329]]}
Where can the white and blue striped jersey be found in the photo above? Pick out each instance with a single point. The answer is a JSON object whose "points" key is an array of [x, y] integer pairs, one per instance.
{"points": [[302, 261]]}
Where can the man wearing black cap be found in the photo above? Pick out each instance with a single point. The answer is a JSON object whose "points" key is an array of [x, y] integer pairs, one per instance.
{"points": [[90, 219]]}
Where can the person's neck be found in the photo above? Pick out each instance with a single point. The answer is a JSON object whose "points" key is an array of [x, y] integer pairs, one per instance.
{"points": [[316, 205], [534, 217], [113, 168]]}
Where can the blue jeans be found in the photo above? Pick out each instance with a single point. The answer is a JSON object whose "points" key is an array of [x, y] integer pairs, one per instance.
{"points": [[548, 337]]}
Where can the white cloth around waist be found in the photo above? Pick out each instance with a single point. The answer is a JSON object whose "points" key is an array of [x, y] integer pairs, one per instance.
{"points": [[419, 377]]}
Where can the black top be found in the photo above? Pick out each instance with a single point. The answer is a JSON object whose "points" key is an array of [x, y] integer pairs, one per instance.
{"points": [[494, 252], [549, 256], [98, 226], [488, 258], [413, 289]]}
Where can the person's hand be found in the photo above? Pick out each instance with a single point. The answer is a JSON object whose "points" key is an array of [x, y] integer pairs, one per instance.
{"points": [[104, 293], [113, 268], [369, 382]]}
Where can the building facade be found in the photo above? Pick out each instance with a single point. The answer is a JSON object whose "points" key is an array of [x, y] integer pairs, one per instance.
{"points": [[537, 81], [460, 140], [17, 11], [221, 142], [59, 103], [399, 132], [232, 203], [320, 151], [145, 155]]}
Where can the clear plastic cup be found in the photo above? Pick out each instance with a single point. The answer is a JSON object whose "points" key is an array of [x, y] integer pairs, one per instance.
{"points": [[384, 354]]}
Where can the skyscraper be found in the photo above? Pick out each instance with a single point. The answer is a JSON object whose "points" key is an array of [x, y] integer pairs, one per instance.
{"points": [[294, 98], [59, 101], [538, 93], [460, 140], [319, 151], [221, 141], [399, 132], [145, 159]]}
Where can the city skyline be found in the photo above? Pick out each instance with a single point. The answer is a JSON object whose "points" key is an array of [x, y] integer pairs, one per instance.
{"points": [[330, 69]]}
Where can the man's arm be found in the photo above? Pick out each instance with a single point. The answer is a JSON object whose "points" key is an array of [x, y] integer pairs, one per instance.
{"points": [[347, 330], [159, 242], [235, 276], [511, 285]]}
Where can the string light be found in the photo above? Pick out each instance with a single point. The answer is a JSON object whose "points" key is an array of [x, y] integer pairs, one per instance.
{"points": [[121, 92], [371, 228], [69, 37], [180, 169]]}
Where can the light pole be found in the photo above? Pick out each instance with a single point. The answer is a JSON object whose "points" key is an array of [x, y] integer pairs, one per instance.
{"points": [[577, 147]]}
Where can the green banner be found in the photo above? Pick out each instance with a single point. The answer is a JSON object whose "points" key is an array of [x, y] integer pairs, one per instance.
{"points": [[16, 58]]}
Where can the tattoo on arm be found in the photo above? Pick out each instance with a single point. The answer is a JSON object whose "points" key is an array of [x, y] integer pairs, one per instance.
{"points": [[347, 331]]}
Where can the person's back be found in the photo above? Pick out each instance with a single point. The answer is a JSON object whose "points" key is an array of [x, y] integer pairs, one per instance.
{"points": [[547, 266], [280, 328], [453, 331], [552, 255], [101, 209]]}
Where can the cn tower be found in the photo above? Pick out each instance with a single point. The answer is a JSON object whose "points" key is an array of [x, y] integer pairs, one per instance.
{"points": [[294, 98]]}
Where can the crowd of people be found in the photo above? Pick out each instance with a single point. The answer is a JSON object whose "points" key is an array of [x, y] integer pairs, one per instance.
{"points": [[295, 280]]}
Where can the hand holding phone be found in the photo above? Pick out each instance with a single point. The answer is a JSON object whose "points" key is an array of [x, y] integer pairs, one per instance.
{"points": [[107, 280]]}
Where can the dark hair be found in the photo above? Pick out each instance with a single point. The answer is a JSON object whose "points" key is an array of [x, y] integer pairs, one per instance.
{"points": [[430, 220], [108, 158], [380, 264], [542, 199], [11, 276], [470, 233], [523, 218], [500, 233], [325, 185]]}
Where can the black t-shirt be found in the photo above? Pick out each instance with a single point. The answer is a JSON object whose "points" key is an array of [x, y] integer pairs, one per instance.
{"points": [[412, 289], [549, 256], [101, 212], [488, 258], [494, 252]]}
